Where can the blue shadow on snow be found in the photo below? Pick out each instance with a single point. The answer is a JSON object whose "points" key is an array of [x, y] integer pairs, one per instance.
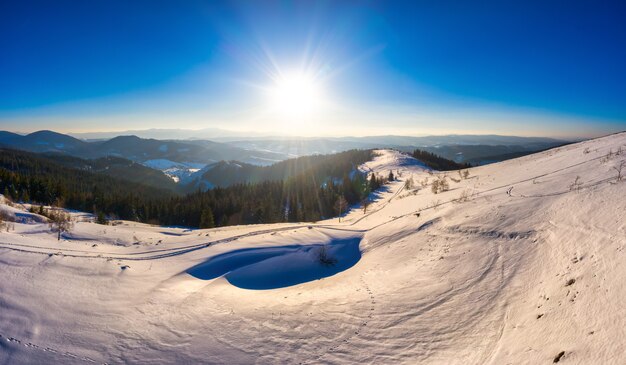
{"points": [[279, 267]]}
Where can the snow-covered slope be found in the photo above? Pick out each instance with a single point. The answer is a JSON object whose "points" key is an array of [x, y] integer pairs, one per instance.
{"points": [[177, 171], [518, 263]]}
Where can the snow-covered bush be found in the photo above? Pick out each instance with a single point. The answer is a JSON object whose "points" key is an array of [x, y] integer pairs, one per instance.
{"points": [[409, 183], [60, 222], [440, 185]]}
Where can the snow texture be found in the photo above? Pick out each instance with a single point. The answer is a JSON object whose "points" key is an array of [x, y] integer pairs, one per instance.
{"points": [[520, 263]]}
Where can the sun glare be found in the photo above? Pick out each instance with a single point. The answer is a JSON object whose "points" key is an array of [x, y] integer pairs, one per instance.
{"points": [[296, 95]]}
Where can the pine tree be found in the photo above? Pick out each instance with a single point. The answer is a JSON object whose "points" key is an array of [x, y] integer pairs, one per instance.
{"points": [[101, 218], [206, 219], [25, 196], [374, 183]]}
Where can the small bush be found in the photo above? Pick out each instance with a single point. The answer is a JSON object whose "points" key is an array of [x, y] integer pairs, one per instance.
{"points": [[440, 185], [463, 197], [435, 187], [409, 183], [324, 257], [60, 222]]}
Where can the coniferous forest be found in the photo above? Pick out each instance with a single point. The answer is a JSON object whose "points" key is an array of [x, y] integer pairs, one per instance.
{"points": [[437, 162], [310, 195]]}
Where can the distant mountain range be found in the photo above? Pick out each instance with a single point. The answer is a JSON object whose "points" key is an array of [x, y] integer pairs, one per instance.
{"points": [[475, 149], [136, 149], [156, 133], [223, 135], [190, 164]]}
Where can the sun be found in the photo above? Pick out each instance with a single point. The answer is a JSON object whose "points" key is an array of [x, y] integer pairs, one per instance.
{"points": [[296, 95]]}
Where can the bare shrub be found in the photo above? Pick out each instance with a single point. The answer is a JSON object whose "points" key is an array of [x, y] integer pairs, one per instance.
{"points": [[435, 204], [576, 185], [465, 195], [463, 174], [324, 257], [409, 183], [366, 203], [434, 187], [443, 185], [607, 157], [440, 185], [60, 222], [341, 205], [619, 171], [6, 221]]}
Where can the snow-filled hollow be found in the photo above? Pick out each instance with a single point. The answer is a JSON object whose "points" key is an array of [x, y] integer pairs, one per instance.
{"points": [[277, 267]]}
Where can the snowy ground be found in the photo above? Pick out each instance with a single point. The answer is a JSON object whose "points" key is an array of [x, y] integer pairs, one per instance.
{"points": [[512, 265]]}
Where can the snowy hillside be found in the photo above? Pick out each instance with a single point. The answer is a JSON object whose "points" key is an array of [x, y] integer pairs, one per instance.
{"points": [[521, 262]]}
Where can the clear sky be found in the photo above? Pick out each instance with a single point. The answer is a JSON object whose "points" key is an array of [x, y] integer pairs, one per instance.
{"points": [[555, 68]]}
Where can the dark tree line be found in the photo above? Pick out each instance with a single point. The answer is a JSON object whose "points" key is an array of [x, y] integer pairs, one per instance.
{"points": [[309, 196], [320, 167], [437, 162]]}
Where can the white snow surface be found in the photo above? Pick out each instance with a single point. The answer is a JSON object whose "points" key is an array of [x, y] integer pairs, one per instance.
{"points": [[177, 171], [528, 266], [164, 164]]}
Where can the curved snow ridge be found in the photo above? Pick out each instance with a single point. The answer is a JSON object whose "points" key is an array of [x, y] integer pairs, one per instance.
{"points": [[277, 267], [386, 160]]}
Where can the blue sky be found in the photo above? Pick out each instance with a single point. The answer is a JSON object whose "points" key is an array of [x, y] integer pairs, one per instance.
{"points": [[379, 67]]}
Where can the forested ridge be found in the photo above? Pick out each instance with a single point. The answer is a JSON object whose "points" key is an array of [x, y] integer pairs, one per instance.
{"points": [[225, 173], [307, 196], [437, 162]]}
